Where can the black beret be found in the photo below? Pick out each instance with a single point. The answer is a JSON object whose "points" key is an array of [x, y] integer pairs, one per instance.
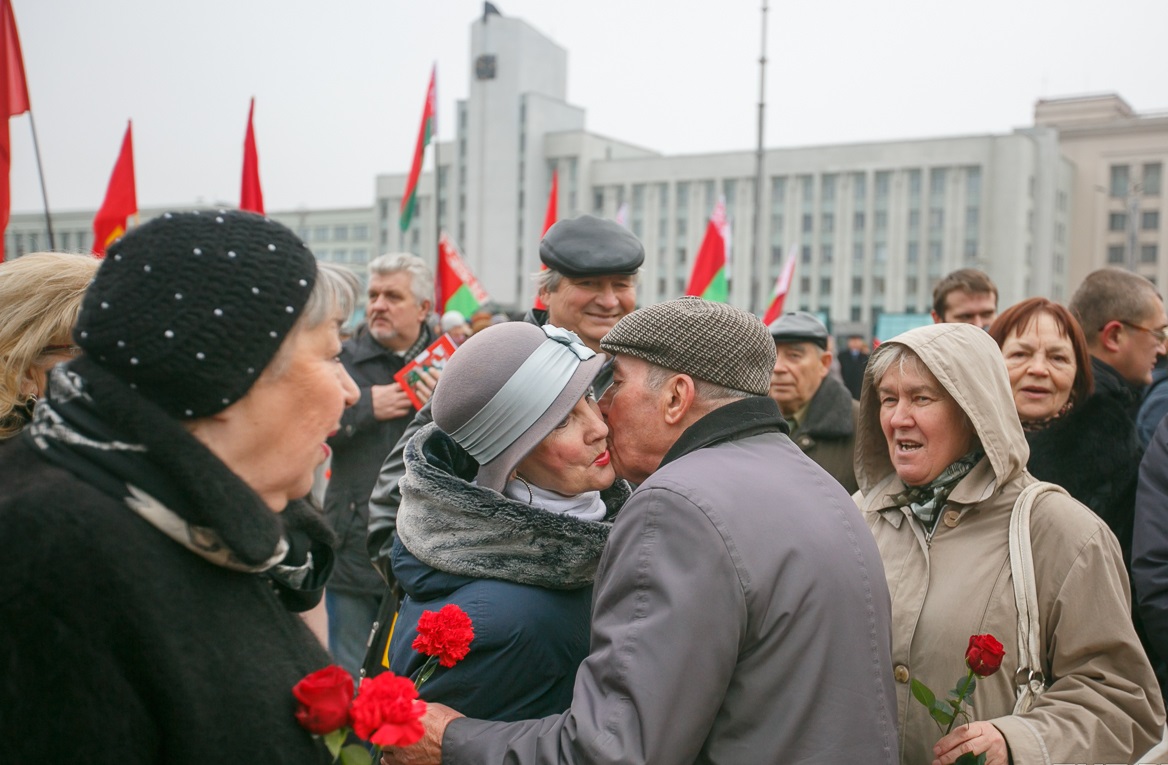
{"points": [[591, 246], [799, 327], [190, 307]]}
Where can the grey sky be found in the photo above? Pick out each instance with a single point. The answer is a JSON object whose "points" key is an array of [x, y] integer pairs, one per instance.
{"points": [[339, 85]]}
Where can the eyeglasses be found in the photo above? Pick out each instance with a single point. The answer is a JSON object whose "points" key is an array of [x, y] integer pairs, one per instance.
{"points": [[1161, 334], [61, 350]]}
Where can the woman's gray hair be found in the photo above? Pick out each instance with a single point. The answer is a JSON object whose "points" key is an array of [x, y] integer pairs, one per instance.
{"points": [[334, 294], [421, 277], [900, 355]]}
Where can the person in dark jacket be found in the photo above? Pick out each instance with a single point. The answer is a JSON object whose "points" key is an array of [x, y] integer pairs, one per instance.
{"points": [[504, 514], [395, 331], [852, 360], [588, 284], [150, 547], [1150, 551], [820, 410]]}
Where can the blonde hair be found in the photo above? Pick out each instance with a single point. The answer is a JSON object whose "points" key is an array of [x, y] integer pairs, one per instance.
{"points": [[40, 298]]}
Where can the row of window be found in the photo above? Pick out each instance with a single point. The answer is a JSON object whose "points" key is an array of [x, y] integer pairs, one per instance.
{"points": [[1118, 254], [1147, 183], [356, 233], [1149, 221]]}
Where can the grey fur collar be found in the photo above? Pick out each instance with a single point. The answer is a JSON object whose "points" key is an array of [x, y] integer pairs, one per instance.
{"points": [[454, 526]]}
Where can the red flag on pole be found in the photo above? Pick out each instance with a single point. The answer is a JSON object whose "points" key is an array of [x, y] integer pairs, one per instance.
{"points": [[121, 199], [425, 133], [782, 287], [251, 196], [549, 220], [708, 278], [14, 92]]}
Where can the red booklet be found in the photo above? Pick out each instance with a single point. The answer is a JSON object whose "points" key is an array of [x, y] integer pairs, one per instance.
{"points": [[434, 357]]}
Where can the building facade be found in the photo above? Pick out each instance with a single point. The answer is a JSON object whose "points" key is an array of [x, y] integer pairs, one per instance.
{"points": [[872, 226]]}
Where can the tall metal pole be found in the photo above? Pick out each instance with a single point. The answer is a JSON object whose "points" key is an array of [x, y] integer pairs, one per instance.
{"points": [[759, 245], [36, 147]]}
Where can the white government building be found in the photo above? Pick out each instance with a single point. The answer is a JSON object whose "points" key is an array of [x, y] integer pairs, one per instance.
{"points": [[875, 224]]}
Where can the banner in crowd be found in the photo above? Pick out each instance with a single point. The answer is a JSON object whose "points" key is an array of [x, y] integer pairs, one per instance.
{"points": [[458, 289], [549, 220], [251, 196], [708, 278], [425, 133], [782, 287], [14, 91], [121, 199]]}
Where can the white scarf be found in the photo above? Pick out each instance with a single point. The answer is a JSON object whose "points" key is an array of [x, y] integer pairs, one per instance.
{"points": [[587, 506]]}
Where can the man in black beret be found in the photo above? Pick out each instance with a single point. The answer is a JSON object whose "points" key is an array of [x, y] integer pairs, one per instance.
{"points": [[591, 279], [819, 409]]}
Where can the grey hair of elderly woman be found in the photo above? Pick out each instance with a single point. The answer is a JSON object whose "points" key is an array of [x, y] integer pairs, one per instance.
{"points": [[333, 295]]}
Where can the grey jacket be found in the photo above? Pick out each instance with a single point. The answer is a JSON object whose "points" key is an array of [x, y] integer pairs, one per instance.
{"points": [[739, 615]]}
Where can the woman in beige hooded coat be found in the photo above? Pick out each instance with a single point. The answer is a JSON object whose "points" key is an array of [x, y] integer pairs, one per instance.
{"points": [[940, 459]]}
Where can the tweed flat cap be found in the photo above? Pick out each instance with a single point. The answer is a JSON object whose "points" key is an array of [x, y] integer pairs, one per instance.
{"points": [[590, 246], [799, 327], [710, 341]]}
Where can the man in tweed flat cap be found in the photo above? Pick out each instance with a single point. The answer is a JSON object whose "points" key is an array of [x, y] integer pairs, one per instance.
{"points": [[740, 611]]}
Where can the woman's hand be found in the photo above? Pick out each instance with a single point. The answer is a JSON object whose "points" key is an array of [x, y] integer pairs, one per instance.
{"points": [[974, 738]]}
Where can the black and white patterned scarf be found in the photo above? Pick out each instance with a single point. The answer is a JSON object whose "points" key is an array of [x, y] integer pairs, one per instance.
{"points": [[926, 501]]}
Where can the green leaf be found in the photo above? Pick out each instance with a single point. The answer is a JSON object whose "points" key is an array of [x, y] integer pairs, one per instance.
{"points": [[941, 712], [922, 693], [965, 686], [356, 754], [334, 741]]}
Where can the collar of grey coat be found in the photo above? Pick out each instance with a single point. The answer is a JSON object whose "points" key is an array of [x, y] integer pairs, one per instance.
{"points": [[739, 419], [452, 525], [830, 412]]}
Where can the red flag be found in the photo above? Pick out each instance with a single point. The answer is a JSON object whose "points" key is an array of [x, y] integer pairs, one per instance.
{"points": [[553, 203], [549, 220], [14, 92], [121, 199], [425, 133], [782, 287], [251, 196], [708, 278], [457, 288]]}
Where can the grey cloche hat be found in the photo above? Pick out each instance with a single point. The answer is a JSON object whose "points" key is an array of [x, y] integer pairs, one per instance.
{"points": [[506, 388], [591, 246], [710, 341], [799, 327]]}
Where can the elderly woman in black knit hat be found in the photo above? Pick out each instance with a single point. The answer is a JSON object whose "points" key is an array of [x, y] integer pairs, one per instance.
{"points": [[507, 502], [151, 545]]}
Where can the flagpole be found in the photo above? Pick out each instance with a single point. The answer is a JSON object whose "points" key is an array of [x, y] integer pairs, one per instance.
{"points": [[759, 246], [437, 164], [36, 147]]}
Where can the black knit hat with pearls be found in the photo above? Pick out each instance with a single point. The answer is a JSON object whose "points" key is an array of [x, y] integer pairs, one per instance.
{"points": [[190, 307]]}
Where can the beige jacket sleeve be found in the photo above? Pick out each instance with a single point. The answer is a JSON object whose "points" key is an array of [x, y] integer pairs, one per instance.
{"points": [[1103, 704]]}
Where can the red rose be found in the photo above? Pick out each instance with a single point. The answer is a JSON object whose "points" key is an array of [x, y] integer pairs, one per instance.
{"points": [[446, 634], [325, 697], [984, 655], [386, 711]]}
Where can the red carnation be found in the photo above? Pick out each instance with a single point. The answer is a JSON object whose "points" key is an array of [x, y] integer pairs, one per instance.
{"points": [[984, 655], [446, 634], [386, 711], [324, 698]]}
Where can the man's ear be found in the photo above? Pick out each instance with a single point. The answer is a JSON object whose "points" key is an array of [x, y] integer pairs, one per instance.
{"points": [[677, 398], [1109, 336]]}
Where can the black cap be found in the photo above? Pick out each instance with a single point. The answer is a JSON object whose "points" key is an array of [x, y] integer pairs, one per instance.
{"points": [[799, 327], [591, 246]]}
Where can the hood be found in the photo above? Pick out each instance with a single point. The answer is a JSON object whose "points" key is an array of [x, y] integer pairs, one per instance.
{"points": [[969, 365]]}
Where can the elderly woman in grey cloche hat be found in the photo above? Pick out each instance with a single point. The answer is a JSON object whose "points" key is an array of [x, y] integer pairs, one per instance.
{"points": [[507, 502]]}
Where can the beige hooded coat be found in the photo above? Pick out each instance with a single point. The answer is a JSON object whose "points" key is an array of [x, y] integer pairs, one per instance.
{"points": [[1102, 704]]}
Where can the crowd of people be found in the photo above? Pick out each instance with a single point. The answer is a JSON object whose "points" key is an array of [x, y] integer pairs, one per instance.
{"points": [[681, 536]]}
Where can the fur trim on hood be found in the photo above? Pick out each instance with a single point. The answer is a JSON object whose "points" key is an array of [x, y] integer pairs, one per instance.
{"points": [[452, 525], [969, 365]]}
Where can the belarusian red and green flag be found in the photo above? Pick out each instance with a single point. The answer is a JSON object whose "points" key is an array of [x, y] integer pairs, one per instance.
{"points": [[708, 279], [425, 133], [782, 287], [458, 289]]}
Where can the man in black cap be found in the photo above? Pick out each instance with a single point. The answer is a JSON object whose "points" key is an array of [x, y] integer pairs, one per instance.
{"points": [[819, 409], [589, 285]]}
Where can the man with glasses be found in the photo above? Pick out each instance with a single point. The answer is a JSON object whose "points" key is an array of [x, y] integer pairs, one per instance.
{"points": [[1124, 322]]}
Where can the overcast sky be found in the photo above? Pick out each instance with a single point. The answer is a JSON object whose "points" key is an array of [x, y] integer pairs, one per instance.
{"points": [[339, 85]]}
